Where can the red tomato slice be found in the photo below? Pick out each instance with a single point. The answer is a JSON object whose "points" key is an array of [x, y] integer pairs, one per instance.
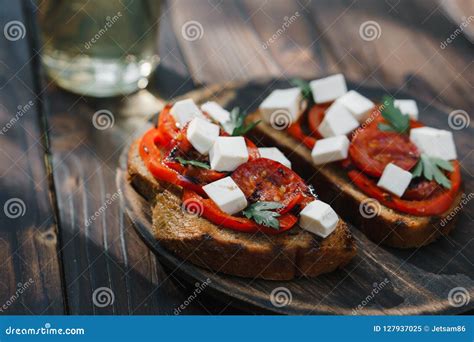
{"points": [[152, 157], [371, 150], [429, 207], [210, 211], [167, 126], [267, 180], [422, 189], [315, 117], [252, 150], [296, 132]]}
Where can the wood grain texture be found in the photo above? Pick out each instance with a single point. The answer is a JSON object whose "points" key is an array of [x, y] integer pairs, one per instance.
{"points": [[415, 281], [324, 39], [30, 271]]}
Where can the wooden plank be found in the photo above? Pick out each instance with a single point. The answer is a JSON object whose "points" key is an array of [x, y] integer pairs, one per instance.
{"points": [[30, 267], [218, 43], [325, 39]]}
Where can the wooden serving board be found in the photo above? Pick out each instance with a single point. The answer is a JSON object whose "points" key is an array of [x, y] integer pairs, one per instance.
{"points": [[436, 279]]}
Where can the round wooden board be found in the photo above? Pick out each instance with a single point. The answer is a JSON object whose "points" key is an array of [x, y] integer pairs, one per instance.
{"points": [[380, 280]]}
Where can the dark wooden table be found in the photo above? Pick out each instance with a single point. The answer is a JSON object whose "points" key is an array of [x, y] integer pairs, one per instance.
{"points": [[57, 169]]}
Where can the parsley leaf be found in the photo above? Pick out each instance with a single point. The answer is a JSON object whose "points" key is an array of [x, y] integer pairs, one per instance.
{"points": [[396, 121], [195, 163], [237, 124], [261, 213], [430, 168], [304, 86]]}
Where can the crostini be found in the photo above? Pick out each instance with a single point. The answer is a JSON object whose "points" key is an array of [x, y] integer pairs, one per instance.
{"points": [[221, 203], [379, 167]]}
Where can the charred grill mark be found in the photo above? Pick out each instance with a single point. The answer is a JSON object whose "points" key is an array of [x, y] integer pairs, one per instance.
{"points": [[192, 179]]}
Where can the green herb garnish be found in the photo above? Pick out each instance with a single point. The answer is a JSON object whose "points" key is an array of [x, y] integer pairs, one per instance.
{"points": [[396, 120], [195, 163], [430, 168], [304, 86], [237, 124], [261, 213]]}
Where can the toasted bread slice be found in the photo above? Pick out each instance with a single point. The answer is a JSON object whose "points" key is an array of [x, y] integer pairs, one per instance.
{"points": [[385, 226], [279, 257]]}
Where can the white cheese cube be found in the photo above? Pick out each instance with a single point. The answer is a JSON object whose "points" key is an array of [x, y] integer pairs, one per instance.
{"points": [[434, 142], [318, 218], [202, 134], [226, 194], [275, 154], [337, 121], [359, 106], [328, 88], [395, 179], [407, 107], [216, 112], [330, 149], [228, 153], [184, 111], [282, 107]]}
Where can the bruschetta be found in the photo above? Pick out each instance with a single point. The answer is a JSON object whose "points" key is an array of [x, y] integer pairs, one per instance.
{"points": [[375, 163], [224, 204]]}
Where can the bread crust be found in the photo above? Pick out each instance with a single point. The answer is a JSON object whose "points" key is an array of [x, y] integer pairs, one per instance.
{"points": [[295, 253], [389, 227]]}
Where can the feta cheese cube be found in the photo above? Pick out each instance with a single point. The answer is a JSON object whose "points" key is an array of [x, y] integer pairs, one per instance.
{"points": [[226, 194], [395, 179], [282, 106], [359, 106], [275, 154], [184, 111], [318, 218], [202, 134], [330, 149], [434, 142], [228, 153], [328, 88], [337, 121], [407, 107], [216, 112]]}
